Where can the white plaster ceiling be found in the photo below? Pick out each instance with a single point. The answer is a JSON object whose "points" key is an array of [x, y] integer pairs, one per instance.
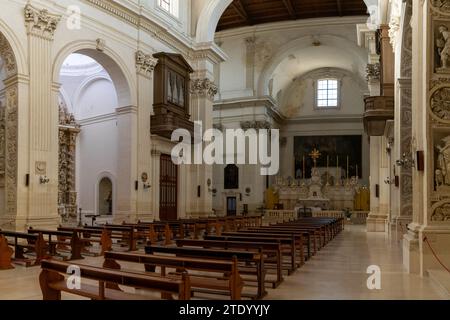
{"points": [[327, 52], [80, 65]]}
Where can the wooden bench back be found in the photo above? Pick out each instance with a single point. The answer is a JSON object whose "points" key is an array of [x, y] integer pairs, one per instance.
{"points": [[53, 271]]}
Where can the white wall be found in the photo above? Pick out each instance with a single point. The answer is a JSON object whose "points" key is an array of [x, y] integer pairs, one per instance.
{"points": [[97, 157], [93, 101]]}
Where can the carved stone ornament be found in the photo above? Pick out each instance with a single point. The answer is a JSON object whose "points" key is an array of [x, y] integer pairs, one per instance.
{"points": [[440, 104], [442, 44], [373, 72], [40, 22], [204, 87], [246, 125], [7, 57], [441, 6], [145, 63], [101, 45], [441, 212]]}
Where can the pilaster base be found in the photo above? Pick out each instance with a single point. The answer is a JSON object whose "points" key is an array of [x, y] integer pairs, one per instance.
{"points": [[411, 252], [418, 257], [377, 223]]}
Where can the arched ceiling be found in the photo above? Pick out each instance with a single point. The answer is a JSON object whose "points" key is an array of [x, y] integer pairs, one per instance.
{"points": [[243, 13]]}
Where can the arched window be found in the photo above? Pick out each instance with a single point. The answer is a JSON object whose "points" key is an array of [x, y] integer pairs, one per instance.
{"points": [[105, 194], [231, 176]]}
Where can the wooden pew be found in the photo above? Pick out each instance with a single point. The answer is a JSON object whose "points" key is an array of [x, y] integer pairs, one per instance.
{"points": [[53, 281], [288, 246], [272, 252], [89, 235], [297, 236], [247, 261], [309, 235], [122, 233], [61, 240], [30, 244], [5, 254], [230, 282]]}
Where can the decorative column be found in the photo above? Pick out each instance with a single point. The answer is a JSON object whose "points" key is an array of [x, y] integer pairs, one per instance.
{"points": [[374, 221], [127, 122], [43, 122], [67, 194], [203, 91], [430, 227], [250, 44], [145, 65]]}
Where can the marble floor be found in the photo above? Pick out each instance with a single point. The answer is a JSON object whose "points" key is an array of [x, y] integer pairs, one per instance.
{"points": [[338, 271]]}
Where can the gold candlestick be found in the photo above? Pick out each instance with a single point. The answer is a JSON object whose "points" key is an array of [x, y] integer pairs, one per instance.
{"points": [[328, 173]]}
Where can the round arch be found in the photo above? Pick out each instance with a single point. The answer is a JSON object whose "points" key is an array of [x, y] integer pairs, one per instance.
{"points": [[110, 61], [209, 19], [112, 178], [297, 45], [85, 85]]}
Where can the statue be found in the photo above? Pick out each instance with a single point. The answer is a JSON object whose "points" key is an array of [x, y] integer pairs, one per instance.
{"points": [[443, 46], [444, 161]]}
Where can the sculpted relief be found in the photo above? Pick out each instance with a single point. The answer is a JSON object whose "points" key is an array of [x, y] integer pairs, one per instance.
{"points": [[440, 104], [443, 49]]}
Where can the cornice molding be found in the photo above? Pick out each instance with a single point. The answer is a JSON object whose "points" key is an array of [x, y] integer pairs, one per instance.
{"points": [[292, 25], [180, 43]]}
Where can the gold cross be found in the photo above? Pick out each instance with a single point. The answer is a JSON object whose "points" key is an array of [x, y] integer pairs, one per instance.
{"points": [[315, 154]]}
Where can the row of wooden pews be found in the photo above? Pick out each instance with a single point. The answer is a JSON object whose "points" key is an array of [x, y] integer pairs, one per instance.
{"points": [[212, 272], [192, 258]]}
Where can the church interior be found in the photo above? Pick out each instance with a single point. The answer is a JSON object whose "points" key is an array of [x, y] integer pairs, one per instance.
{"points": [[225, 150]]}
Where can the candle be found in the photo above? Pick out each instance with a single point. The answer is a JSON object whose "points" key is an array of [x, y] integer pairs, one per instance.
{"points": [[357, 172], [347, 167], [338, 177], [304, 168], [328, 165]]}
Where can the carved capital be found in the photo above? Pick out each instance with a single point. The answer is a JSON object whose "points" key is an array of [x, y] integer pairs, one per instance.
{"points": [[41, 23], [373, 72], [145, 63], [204, 87]]}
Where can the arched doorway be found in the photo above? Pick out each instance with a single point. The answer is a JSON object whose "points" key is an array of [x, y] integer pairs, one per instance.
{"points": [[105, 197], [8, 134], [93, 88]]}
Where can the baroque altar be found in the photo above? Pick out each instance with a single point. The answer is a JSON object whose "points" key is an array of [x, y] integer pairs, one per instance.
{"points": [[316, 193]]}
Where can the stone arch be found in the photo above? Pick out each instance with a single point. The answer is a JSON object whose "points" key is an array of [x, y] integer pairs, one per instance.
{"points": [[209, 18], [298, 44], [83, 86], [112, 178], [9, 134], [122, 78]]}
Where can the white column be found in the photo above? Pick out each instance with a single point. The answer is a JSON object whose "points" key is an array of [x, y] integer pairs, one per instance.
{"points": [[376, 219], [126, 165], [145, 65], [43, 123], [203, 91]]}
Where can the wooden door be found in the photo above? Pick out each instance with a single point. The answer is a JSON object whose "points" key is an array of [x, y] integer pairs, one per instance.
{"points": [[168, 204], [231, 206]]}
